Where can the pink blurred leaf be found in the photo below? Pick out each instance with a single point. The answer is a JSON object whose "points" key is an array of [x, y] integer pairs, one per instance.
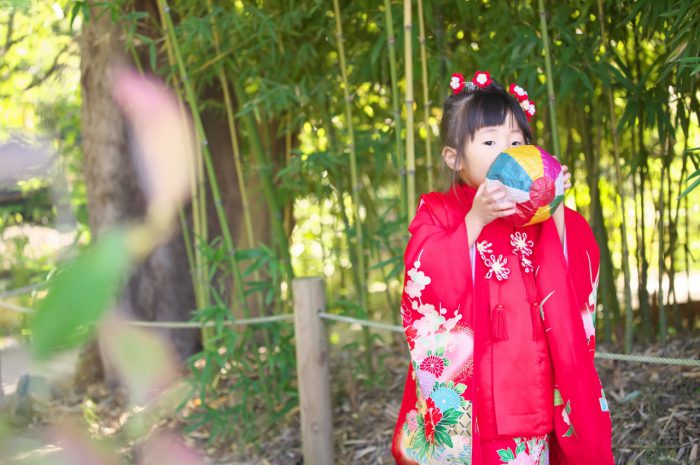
{"points": [[144, 359], [164, 136], [74, 447], [171, 450]]}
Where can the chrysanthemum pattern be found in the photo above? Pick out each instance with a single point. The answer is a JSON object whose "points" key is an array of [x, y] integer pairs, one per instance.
{"points": [[522, 247]]}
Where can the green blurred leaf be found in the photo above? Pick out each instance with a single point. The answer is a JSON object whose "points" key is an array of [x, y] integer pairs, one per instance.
{"points": [[692, 186], [144, 359], [81, 294]]}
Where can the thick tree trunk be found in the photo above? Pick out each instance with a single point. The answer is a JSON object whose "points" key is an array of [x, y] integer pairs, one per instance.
{"points": [[219, 142], [161, 287]]}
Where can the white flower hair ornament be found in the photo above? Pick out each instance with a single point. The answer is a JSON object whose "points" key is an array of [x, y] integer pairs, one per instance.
{"points": [[482, 79], [526, 104]]}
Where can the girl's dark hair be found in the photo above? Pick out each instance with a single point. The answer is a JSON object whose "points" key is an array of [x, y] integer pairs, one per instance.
{"points": [[468, 111]]}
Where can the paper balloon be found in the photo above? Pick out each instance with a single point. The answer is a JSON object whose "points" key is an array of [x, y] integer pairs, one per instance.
{"points": [[534, 181]]}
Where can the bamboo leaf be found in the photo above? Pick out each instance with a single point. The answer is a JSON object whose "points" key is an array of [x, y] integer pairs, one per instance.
{"points": [[690, 188]]}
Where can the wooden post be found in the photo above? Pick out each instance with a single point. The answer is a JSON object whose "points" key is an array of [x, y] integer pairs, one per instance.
{"points": [[313, 371]]}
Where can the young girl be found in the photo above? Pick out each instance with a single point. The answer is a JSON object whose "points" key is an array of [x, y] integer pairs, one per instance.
{"points": [[498, 319]]}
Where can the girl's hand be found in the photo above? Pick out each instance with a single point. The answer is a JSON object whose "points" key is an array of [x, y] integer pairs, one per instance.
{"points": [[567, 176], [558, 214], [491, 202]]}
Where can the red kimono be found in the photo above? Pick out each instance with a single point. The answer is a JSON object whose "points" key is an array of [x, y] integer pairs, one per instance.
{"points": [[505, 350]]}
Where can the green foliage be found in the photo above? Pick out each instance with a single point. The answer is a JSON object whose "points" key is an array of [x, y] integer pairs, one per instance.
{"points": [[285, 59], [80, 294]]}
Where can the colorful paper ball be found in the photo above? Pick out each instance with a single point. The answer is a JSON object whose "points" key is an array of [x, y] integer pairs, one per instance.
{"points": [[534, 181]]}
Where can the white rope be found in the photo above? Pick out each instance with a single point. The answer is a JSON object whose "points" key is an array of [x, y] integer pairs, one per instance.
{"points": [[347, 319]]}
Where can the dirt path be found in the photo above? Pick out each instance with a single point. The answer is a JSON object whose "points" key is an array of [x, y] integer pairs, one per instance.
{"points": [[16, 361]]}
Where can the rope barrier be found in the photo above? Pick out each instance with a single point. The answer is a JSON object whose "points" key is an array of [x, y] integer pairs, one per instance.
{"points": [[23, 290], [371, 324], [648, 359], [347, 319], [210, 324], [16, 308]]}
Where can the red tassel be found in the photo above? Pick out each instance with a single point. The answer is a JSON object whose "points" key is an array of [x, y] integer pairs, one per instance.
{"points": [[498, 323], [536, 324]]}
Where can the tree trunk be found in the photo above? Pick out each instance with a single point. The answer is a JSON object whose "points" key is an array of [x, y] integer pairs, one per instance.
{"points": [[161, 287]]}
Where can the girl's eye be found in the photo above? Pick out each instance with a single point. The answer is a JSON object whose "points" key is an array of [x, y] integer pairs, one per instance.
{"points": [[489, 142], [517, 142]]}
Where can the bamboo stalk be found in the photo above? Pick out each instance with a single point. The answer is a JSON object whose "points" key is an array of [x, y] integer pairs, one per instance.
{"points": [[673, 226], [195, 259], [199, 127], [591, 140], [629, 322], [230, 118], [396, 110], [551, 100], [288, 212], [686, 255], [355, 189], [340, 202], [410, 150], [248, 224], [660, 292], [265, 167], [426, 94], [199, 216], [640, 149]]}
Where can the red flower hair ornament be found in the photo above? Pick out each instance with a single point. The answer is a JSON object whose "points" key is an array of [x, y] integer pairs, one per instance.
{"points": [[520, 94], [482, 79]]}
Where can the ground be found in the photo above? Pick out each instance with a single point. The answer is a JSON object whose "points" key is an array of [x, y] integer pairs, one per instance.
{"points": [[656, 419]]}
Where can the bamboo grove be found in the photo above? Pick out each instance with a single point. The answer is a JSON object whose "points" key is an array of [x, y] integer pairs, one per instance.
{"points": [[334, 129]]}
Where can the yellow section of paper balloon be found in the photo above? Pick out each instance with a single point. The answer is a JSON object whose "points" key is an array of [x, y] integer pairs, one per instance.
{"points": [[530, 158], [541, 214]]}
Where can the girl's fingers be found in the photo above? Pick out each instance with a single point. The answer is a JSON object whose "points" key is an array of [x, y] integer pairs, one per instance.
{"points": [[505, 206], [492, 187]]}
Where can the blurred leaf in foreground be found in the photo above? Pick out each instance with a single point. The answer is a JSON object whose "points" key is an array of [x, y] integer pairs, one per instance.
{"points": [[80, 294], [143, 359]]}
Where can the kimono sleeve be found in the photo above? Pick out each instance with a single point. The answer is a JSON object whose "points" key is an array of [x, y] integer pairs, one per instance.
{"points": [[583, 257], [437, 275]]}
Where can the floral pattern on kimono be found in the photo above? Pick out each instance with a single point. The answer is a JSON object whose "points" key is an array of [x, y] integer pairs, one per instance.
{"points": [[437, 429], [526, 450]]}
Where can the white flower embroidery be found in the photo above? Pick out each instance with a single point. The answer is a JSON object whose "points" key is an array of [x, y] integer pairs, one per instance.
{"points": [[523, 248], [417, 283], [426, 309], [520, 243], [523, 458], [455, 82], [429, 324], [484, 247], [497, 266], [527, 264]]}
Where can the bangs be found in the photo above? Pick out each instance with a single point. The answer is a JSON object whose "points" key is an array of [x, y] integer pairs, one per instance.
{"points": [[489, 109]]}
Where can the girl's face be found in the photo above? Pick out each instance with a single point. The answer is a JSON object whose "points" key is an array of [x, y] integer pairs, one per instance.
{"points": [[482, 151]]}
